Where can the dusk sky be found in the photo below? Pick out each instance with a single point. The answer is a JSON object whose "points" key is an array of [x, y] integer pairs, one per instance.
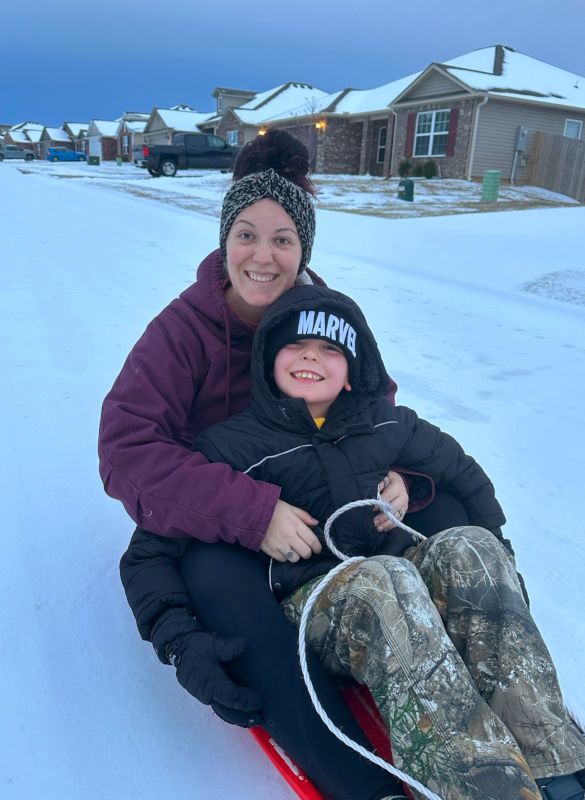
{"points": [[71, 61]]}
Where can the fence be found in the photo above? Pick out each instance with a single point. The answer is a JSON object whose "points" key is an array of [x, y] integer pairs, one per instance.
{"points": [[558, 164]]}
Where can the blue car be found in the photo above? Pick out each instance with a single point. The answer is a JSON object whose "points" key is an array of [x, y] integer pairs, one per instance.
{"points": [[63, 154]]}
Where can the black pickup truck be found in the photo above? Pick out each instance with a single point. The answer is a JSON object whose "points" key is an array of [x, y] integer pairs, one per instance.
{"points": [[189, 151]]}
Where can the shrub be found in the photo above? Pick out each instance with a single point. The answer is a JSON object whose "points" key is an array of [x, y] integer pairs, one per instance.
{"points": [[430, 169], [404, 168], [417, 170]]}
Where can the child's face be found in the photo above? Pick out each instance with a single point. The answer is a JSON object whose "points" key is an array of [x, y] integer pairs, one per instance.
{"points": [[313, 369]]}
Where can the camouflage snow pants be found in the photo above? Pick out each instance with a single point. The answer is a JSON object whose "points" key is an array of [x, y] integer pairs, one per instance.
{"points": [[462, 677]]}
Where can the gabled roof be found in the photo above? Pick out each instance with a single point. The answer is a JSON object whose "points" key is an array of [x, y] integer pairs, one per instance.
{"points": [[76, 127], [282, 102], [22, 125], [57, 134], [18, 136], [501, 71], [33, 134], [223, 90], [368, 101], [103, 127], [181, 120], [136, 126]]}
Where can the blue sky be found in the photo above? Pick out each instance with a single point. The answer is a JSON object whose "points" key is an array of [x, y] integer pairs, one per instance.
{"points": [[72, 61]]}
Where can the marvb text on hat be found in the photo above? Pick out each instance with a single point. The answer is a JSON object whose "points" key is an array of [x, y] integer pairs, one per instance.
{"points": [[332, 327]]}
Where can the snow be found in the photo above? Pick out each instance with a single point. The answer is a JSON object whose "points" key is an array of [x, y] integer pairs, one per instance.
{"points": [[76, 127], [479, 317], [58, 135], [290, 100], [369, 100], [523, 75], [103, 127], [183, 120]]}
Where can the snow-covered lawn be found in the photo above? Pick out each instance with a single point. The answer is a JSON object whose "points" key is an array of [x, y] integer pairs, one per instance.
{"points": [[202, 190], [481, 320]]}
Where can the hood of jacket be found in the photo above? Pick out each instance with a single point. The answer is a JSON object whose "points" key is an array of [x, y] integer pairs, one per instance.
{"points": [[292, 412]]}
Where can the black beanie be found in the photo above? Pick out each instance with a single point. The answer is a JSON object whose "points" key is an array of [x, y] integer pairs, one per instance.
{"points": [[323, 322]]}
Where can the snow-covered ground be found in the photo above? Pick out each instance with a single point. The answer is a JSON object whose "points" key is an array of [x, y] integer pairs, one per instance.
{"points": [[481, 319]]}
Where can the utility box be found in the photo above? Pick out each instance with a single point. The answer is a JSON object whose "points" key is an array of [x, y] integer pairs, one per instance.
{"points": [[119, 161], [406, 190], [521, 138], [491, 185], [94, 161]]}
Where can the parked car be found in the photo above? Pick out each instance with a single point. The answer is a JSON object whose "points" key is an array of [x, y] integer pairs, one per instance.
{"points": [[12, 151], [64, 154], [189, 151]]}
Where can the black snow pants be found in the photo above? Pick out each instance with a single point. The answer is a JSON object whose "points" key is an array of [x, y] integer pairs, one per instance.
{"points": [[231, 597]]}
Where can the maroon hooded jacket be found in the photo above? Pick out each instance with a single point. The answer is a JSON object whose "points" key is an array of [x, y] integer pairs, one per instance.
{"points": [[189, 370]]}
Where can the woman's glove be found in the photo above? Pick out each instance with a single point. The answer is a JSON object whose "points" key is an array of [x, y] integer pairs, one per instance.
{"points": [[178, 639]]}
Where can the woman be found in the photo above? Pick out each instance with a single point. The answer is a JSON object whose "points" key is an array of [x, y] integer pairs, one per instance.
{"points": [[189, 370]]}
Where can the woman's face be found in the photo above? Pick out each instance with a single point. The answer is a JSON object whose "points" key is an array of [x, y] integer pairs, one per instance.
{"points": [[263, 258]]}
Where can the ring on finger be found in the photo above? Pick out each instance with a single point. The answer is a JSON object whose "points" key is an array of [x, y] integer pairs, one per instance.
{"points": [[290, 554]]}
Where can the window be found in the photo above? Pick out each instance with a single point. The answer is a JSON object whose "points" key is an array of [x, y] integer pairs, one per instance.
{"points": [[382, 134], [125, 144], [231, 138], [432, 132], [573, 128], [216, 142]]}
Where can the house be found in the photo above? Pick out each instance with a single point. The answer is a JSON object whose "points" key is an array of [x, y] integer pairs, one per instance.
{"points": [[239, 125], [78, 134], [163, 123], [348, 131], [25, 135], [102, 142], [130, 133], [54, 137], [480, 111]]}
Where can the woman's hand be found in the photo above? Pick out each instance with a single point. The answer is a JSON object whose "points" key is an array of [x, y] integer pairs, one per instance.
{"points": [[289, 536], [393, 490]]}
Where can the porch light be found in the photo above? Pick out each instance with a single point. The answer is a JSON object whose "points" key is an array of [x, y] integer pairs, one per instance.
{"points": [[262, 132], [321, 125]]}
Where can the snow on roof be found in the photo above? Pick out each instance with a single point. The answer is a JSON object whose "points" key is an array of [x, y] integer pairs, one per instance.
{"points": [[105, 127], [288, 100], [183, 120], [19, 136], [134, 125], [31, 125], [522, 77], [364, 101], [76, 127], [33, 134], [58, 135]]}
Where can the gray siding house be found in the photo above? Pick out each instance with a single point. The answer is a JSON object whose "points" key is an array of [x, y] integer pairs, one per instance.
{"points": [[481, 110]]}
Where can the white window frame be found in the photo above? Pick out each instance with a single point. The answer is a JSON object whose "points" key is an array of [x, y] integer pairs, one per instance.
{"points": [[231, 137], [125, 143], [381, 148], [431, 134], [577, 122]]}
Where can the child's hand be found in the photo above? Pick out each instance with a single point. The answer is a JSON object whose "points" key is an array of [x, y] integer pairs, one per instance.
{"points": [[393, 490], [289, 536]]}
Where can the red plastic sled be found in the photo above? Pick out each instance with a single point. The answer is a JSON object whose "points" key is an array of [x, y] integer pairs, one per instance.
{"points": [[362, 706]]}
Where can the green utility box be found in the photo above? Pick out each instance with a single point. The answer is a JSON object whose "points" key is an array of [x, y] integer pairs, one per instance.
{"points": [[119, 161], [406, 190], [94, 161], [491, 185]]}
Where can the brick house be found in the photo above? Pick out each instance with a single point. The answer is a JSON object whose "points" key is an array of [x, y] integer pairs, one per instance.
{"points": [[480, 111], [101, 139], [25, 135], [130, 133], [164, 122], [78, 134], [289, 101], [54, 137]]}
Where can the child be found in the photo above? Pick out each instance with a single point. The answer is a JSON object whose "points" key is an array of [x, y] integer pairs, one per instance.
{"points": [[320, 427]]}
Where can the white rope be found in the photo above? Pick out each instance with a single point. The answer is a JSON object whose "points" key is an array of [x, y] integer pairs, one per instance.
{"points": [[346, 560]]}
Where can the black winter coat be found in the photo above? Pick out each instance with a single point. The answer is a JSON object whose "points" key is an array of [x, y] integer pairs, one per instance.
{"points": [[276, 440]]}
